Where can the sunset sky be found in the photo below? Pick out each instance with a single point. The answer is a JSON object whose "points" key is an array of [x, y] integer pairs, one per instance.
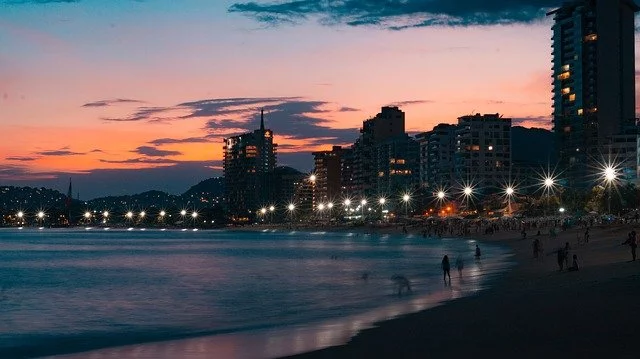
{"points": [[125, 96]]}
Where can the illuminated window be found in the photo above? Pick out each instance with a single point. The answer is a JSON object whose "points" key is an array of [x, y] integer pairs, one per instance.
{"points": [[565, 75], [580, 111], [380, 174], [567, 129], [475, 148], [572, 97], [565, 68], [400, 161], [591, 37], [566, 90], [392, 160]]}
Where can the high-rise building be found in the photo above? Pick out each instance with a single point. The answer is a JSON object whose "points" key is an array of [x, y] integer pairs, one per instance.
{"points": [[388, 125], [328, 175], [483, 151], [437, 149], [249, 163], [593, 81]]}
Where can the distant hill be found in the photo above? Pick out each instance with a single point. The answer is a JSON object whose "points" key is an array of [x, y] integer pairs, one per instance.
{"points": [[209, 191], [29, 198], [532, 145], [143, 200]]}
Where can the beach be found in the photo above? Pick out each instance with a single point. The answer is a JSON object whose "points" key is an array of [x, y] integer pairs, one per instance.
{"points": [[534, 310]]}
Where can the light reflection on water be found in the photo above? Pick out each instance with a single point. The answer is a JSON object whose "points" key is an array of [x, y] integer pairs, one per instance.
{"points": [[254, 291]]}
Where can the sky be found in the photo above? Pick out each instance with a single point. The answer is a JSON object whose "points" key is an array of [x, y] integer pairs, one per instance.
{"points": [[125, 96]]}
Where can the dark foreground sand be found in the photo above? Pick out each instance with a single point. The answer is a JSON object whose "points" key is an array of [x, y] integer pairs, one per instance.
{"points": [[534, 311]]}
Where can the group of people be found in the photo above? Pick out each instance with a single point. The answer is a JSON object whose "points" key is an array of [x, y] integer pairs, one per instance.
{"points": [[563, 259], [446, 265]]}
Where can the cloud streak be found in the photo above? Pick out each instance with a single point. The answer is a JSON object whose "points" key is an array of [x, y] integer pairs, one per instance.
{"points": [[105, 103], [396, 14], [154, 152]]}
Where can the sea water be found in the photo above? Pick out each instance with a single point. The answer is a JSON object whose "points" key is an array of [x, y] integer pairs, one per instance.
{"points": [[70, 291]]}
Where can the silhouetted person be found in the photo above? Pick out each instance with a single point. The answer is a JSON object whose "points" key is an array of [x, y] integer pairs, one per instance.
{"points": [[632, 242], [566, 254], [574, 266], [536, 248], [446, 267], [459, 265], [478, 253], [561, 255]]}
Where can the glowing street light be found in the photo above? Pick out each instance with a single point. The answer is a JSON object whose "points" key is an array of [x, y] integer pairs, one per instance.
{"points": [[347, 202], [509, 191], [610, 174], [272, 208], [548, 182], [441, 195], [406, 198], [105, 214], [142, 214], [468, 191], [40, 215], [20, 214], [129, 215], [87, 215], [263, 210], [163, 213], [330, 205], [363, 202], [561, 210], [183, 212], [312, 178], [320, 206], [291, 207], [194, 214], [382, 201]]}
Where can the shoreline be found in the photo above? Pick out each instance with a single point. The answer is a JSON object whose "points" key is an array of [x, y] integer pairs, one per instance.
{"points": [[531, 310], [324, 333]]}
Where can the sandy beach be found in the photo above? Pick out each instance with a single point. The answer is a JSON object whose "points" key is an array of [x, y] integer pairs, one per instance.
{"points": [[534, 310]]}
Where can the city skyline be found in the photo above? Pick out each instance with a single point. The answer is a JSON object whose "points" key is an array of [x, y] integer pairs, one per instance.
{"points": [[121, 96]]}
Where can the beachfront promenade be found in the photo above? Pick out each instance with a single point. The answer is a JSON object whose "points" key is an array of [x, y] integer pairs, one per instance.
{"points": [[533, 311]]}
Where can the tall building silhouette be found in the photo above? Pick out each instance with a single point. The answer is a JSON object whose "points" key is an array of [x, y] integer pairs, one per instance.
{"points": [[483, 151], [593, 83], [384, 156], [249, 163]]}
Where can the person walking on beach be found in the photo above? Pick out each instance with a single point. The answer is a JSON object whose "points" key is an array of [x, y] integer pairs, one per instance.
{"points": [[561, 256], [446, 267], [459, 265], [574, 266], [536, 248], [478, 253], [632, 242]]}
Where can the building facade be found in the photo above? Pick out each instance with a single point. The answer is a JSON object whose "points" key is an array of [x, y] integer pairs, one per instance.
{"points": [[437, 151], [377, 134], [483, 152], [249, 162], [328, 175], [593, 82]]}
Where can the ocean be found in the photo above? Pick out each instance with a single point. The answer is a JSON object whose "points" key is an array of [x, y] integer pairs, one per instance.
{"points": [[178, 293]]}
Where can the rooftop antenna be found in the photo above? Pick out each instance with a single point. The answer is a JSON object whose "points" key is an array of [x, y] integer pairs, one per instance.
{"points": [[262, 119]]}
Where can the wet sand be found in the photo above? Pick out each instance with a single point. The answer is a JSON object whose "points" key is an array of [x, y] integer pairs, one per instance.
{"points": [[533, 311]]}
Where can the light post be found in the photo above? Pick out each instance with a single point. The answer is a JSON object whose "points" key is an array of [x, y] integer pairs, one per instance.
{"points": [[162, 214], [362, 204], [40, 218], [87, 217], [405, 199], [382, 201], [509, 191], [263, 212], [440, 195], [610, 175], [320, 209], [290, 208], [271, 209], [329, 208], [194, 217], [467, 192]]}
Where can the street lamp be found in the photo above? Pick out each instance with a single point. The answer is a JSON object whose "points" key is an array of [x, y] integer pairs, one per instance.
{"points": [[509, 191], [610, 175], [362, 204], [406, 198]]}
